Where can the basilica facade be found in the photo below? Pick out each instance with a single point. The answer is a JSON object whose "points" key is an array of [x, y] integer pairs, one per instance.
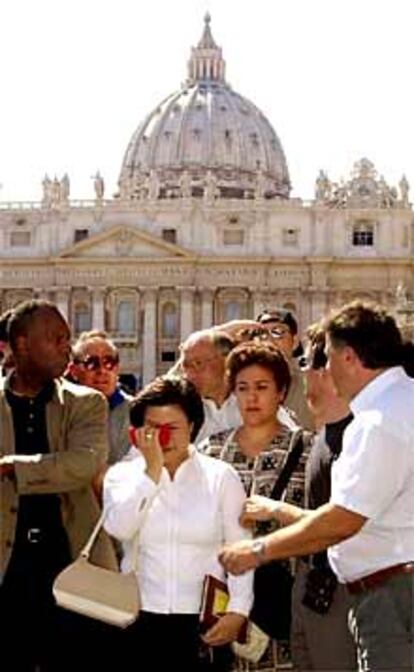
{"points": [[203, 230]]}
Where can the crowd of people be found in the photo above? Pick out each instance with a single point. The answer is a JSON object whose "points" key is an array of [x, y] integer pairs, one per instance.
{"points": [[257, 449]]}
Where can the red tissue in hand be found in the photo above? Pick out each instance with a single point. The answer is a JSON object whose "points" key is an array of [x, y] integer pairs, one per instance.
{"points": [[132, 433], [164, 435]]}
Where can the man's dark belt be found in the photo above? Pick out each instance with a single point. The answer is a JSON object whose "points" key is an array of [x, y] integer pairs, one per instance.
{"points": [[379, 578]]}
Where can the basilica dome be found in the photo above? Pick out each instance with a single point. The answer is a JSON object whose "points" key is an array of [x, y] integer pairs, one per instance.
{"points": [[205, 140]]}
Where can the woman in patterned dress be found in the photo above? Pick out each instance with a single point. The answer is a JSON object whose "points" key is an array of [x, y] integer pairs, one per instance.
{"points": [[259, 376]]}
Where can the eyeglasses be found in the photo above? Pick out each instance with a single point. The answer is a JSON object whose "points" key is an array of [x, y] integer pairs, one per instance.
{"points": [[93, 362], [263, 334], [196, 364]]}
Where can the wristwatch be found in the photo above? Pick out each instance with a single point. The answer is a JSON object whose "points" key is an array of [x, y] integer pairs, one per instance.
{"points": [[259, 549]]}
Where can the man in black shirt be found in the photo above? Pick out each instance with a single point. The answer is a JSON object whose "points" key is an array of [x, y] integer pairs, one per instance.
{"points": [[320, 636], [52, 443]]}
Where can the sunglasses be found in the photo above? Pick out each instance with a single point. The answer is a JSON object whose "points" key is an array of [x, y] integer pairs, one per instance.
{"points": [[264, 334], [93, 362], [317, 360]]}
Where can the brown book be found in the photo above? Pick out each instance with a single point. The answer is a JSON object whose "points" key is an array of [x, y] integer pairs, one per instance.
{"points": [[214, 600]]}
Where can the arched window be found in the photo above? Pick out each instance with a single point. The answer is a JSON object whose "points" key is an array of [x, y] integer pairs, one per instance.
{"points": [[169, 321], [232, 311], [82, 319], [125, 317]]}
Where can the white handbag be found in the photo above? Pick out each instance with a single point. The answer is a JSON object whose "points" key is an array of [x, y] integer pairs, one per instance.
{"points": [[255, 645], [111, 597]]}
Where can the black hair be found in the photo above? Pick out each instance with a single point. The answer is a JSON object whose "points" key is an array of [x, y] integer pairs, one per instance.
{"points": [[24, 314], [169, 390], [264, 354], [4, 325], [369, 330], [281, 315]]}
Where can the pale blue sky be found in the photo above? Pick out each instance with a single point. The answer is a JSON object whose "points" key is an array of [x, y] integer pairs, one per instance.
{"points": [[334, 77]]}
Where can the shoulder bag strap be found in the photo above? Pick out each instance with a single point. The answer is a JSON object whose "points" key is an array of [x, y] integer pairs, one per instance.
{"points": [[86, 551], [291, 461]]}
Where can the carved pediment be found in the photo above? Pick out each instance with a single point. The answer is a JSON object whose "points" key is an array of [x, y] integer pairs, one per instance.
{"points": [[124, 241]]}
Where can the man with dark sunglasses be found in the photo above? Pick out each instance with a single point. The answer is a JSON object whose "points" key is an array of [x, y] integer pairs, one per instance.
{"points": [[96, 364]]}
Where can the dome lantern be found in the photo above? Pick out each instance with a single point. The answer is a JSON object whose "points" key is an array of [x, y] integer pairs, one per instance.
{"points": [[206, 62]]}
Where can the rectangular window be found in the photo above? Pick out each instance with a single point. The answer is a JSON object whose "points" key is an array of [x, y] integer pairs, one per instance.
{"points": [[81, 234], [290, 237], [168, 356], [169, 235], [363, 234], [233, 237], [20, 239]]}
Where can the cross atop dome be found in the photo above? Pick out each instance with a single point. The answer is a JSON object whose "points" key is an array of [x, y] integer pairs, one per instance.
{"points": [[206, 62]]}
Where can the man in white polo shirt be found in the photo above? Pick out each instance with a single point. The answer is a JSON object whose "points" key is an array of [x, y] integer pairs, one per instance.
{"points": [[369, 521]]}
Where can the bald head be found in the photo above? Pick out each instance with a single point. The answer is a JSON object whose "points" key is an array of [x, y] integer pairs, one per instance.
{"points": [[203, 357]]}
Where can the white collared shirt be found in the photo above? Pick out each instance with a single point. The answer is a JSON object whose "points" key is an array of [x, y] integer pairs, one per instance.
{"points": [[219, 418], [374, 476], [182, 525]]}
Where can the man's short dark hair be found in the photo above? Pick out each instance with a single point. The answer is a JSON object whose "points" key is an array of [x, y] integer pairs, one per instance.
{"points": [[23, 315], [369, 330], [169, 390], [281, 315]]}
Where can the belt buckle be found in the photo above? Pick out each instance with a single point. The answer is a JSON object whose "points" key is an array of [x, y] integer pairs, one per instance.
{"points": [[34, 535]]}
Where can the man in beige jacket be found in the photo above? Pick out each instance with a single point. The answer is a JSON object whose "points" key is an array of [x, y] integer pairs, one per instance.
{"points": [[53, 441]]}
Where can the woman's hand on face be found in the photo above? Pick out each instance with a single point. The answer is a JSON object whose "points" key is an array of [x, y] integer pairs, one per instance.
{"points": [[149, 445], [225, 630], [256, 508]]}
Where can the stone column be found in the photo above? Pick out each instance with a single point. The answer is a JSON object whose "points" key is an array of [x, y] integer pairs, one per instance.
{"points": [[149, 340], [319, 306], [98, 308], [186, 312], [207, 297], [62, 301], [259, 303]]}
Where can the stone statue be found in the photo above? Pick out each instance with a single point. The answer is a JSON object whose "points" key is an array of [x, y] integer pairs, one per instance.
{"points": [[99, 186], [401, 294], [210, 187], [322, 187], [47, 191], [185, 184], [387, 196], [404, 190], [260, 184], [55, 192], [64, 188], [339, 194], [153, 185]]}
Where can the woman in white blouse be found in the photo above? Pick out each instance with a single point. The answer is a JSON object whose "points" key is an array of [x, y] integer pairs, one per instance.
{"points": [[185, 506]]}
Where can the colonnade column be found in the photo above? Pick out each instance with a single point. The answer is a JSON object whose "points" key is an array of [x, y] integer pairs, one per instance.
{"points": [[206, 308], [319, 305], [98, 308], [149, 340], [186, 312], [62, 301], [259, 303]]}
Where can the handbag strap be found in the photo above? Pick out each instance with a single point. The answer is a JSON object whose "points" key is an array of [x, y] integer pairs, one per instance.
{"points": [[289, 465], [86, 551]]}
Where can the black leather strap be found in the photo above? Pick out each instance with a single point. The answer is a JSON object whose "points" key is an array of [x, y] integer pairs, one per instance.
{"points": [[291, 462]]}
